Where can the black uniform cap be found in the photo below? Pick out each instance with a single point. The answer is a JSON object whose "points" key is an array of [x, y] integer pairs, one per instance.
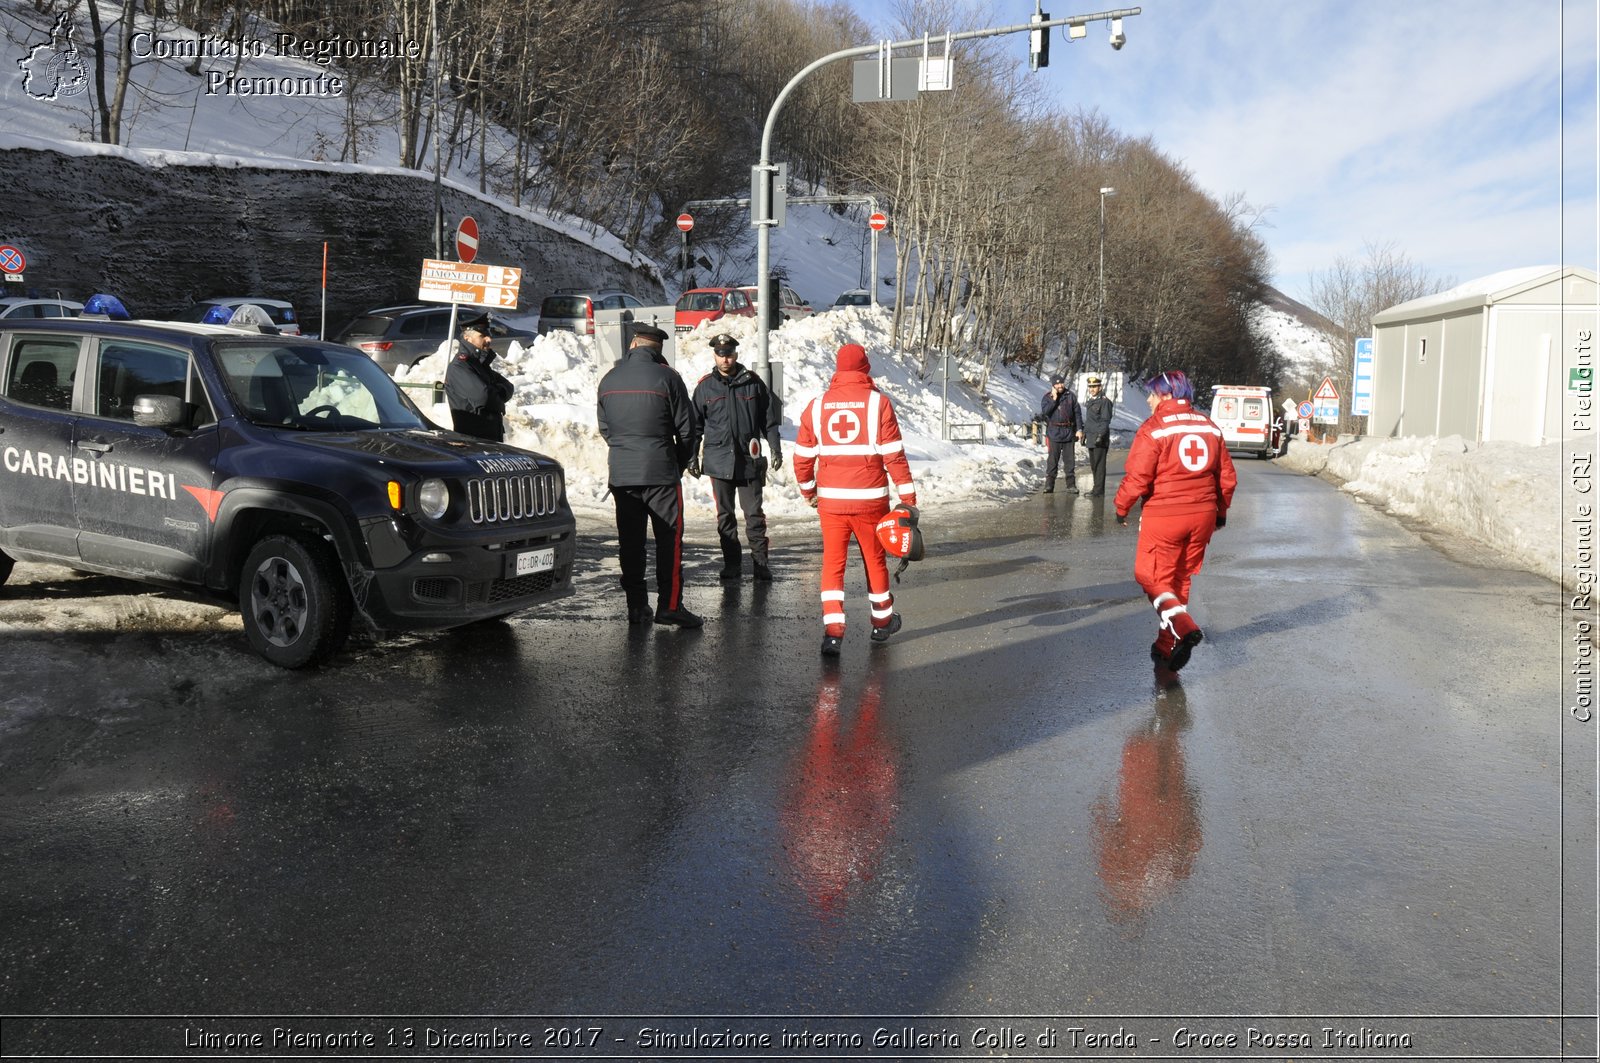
{"points": [[649, 332]]}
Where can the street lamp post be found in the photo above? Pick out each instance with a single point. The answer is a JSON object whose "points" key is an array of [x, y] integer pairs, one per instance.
{"points": [[1100, 350]]}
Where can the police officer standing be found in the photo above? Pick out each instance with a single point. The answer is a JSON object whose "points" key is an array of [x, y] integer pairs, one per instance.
{"points": [[649, 423], [738, 413], [1096, 433], [476, 393], [1059, 411]]}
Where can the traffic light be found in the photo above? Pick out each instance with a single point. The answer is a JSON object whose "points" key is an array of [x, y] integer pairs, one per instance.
{"points": [[1039, 43]]}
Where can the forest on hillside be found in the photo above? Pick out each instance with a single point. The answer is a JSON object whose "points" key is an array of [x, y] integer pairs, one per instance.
{"points": [[619, 111]]}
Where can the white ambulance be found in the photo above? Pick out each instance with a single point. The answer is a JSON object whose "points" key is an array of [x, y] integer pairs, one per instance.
{"points": [[1247, 419]]}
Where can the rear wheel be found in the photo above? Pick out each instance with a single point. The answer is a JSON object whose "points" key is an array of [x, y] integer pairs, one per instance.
{"points": [[5, 568], [294, 601]]}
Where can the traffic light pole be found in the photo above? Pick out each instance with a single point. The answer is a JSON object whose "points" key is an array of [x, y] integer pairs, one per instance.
{"points": [[764, 226]]}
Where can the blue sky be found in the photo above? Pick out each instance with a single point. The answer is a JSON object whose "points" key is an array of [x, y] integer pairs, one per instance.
{"points": [[1434, 125]]}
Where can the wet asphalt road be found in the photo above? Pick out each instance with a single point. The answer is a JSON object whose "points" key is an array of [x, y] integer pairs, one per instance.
{"points": [[1350, 806]]}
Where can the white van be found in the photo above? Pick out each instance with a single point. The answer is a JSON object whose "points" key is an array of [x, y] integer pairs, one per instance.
{"points": [[1247, 419]]}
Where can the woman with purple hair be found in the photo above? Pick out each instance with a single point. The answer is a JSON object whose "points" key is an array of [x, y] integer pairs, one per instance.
{"points": [[1180, 468]]}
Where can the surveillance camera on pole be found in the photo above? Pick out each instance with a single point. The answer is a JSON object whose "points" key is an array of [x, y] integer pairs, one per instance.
{"points": [[1039, 42], [1118, 38]]}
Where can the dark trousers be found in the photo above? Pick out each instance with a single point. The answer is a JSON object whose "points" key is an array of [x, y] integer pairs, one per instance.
{"points": [[661, 506], [723, 493], [1061, 453], [1097, 463]]}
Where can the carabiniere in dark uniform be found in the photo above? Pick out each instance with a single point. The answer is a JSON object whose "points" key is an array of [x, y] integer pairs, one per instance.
{"points": [[739, 413]]}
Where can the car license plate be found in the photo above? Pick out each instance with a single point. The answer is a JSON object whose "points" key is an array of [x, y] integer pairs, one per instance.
{"points": [[535, 561]]}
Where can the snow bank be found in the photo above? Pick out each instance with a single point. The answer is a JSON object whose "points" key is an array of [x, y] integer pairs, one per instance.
{"points": [[1502, 496]]}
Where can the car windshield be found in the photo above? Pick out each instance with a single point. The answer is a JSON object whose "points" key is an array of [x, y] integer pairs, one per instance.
{"points": [[853, 299], [700, 301], [565, 306], [312, 388], [370, 325]]}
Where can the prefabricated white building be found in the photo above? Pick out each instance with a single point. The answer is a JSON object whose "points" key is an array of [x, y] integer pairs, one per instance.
{"points": [[1492, 359]]}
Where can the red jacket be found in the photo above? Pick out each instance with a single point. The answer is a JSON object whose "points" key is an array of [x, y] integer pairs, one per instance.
{"points": [[1178, 464], [848, 449]]}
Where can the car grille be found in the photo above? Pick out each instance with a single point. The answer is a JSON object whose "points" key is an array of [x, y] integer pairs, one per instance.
{"points": [[513, 498], [505, 590]]}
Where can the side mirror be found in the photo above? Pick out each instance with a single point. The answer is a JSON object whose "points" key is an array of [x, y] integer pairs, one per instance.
{"points": [[158, 411]]}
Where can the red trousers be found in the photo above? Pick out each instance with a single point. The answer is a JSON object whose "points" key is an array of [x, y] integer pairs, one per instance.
{"points": [[1171, 550], [837, 530]]}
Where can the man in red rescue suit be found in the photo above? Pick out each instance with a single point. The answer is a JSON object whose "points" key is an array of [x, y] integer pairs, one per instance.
{"points": [[851, 466], [1180, 467]]}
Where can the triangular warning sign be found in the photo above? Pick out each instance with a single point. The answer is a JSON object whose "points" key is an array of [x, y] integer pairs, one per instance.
{"points": [[1326, 390]]}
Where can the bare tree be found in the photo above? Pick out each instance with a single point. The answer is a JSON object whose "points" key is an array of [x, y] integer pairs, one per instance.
{"points": [[1351, 293]]}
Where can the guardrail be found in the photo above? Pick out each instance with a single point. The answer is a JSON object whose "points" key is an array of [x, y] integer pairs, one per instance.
{"points": [[961, 432]]}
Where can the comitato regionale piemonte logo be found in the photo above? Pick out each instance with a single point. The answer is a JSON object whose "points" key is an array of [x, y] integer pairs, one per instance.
{"points": [[55, 70]]}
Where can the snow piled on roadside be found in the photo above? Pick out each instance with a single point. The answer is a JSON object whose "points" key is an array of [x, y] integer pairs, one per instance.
{"points": [[1502, 496], [557, 380]]}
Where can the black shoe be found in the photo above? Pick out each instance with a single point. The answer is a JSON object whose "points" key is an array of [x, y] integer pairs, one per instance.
{"points": [[1048, 491], [680, 616], [1095, 494], [831, 645], [763, 573], [881, 634], [1185, 646], [1072, 490], [1156, 655], [729, 573], [640, 614]]}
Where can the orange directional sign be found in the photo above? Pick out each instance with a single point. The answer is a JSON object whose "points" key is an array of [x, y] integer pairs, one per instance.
{"points": [[469, 282]]}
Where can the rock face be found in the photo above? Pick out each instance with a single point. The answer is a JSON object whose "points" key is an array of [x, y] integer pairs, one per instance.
{"points": [[160, 234]]}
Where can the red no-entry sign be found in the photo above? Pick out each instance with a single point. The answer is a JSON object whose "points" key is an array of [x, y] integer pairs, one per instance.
{"points": [[467, 240], [879, 221], [686, 222]]}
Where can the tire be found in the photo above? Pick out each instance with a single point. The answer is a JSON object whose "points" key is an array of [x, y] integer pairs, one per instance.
{"points": [[5, 568], [294, 601]]}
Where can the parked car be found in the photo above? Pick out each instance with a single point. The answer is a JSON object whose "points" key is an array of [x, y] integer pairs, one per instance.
{"points": [[572, 309], [853, 297], [14, 306], [401, 336], [790, 306], [710, 304], [207, 311], [289, 476]]}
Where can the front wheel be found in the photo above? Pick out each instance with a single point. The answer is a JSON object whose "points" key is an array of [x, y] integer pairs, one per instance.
{"points": [[293, 598], [5, 568]]}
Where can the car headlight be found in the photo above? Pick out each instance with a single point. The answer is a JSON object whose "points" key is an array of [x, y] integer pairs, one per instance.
{"points": [[433, 498]]}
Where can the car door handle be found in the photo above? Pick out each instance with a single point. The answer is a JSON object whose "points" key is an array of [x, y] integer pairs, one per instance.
{"points": [[96, 445]]}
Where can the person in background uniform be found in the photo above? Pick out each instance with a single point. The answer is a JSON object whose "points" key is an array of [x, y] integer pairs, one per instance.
{"points": [[1059, 409], [476, 393], [1096, 433], [849, 462], [738, 412], [1179, 466], [650, 426]]}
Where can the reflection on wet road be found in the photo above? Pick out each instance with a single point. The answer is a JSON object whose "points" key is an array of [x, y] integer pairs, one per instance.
{"points": [[1349, 804]]}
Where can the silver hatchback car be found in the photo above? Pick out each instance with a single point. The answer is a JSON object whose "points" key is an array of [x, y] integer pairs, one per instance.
{"points": [[572, 309], [401, 336]]}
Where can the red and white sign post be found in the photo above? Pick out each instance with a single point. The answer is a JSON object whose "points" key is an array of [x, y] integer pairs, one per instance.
{"points": [[467, 240], [877, 221], [685, 223]]}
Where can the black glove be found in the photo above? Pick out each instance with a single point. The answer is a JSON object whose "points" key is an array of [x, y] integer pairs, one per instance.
{"points": [[1122, 520], [693, 468], [1222, 520]]}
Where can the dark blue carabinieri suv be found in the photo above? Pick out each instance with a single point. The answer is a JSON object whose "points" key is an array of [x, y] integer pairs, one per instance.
{"points": [[290, 476]]}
